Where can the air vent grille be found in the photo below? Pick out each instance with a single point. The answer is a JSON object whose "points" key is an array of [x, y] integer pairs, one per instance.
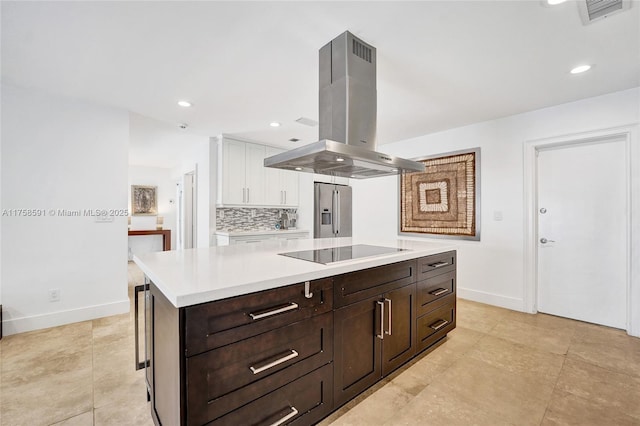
{"points": [[598, 8], [361, 51], [593, 10]]}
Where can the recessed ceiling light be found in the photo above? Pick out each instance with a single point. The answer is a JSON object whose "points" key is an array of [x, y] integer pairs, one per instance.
{"points": [[580, 69], [274, 124], [339, 159], [554, 2], [298, 168], [185, 104]]}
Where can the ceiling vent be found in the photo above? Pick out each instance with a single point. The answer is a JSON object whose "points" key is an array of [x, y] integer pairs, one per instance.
{"points": [[593, 10]]}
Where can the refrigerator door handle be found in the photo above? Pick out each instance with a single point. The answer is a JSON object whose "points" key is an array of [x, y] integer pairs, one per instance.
{"points": [[336, 212]]}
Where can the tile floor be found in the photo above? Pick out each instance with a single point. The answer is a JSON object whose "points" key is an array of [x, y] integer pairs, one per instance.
{"points": [[499, 367]]}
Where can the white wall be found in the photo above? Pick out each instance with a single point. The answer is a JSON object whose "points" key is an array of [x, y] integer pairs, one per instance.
{"points": [[492, 270], [59, 153], [166, 194]]}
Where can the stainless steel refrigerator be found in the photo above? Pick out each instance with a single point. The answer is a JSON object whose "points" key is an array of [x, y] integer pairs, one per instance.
{"points": [[332, 215]]}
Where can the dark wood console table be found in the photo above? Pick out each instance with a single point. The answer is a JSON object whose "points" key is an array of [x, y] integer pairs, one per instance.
{"points": [[166, 236]]}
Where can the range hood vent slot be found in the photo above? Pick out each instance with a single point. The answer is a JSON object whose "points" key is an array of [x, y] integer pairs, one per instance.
{"points": [[361, 51]]}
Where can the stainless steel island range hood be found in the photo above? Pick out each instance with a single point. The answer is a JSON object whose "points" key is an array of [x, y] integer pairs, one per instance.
{"points": [[347, 118]]}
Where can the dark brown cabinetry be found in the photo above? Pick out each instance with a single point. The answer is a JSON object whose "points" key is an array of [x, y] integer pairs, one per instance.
{"points": [[375, 335], [253, 357], [293, 354]]}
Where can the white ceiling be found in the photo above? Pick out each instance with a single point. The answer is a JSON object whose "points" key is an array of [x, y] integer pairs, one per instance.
{"points": [[441, 64]]}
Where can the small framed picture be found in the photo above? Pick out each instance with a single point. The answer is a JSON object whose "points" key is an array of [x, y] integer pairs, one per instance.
{"points": [[144, 201]]}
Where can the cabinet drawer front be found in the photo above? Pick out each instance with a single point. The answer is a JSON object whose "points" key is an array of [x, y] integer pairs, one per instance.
{"points": [[214, 375], [302, 402], [434, 325], [434, 289], [437, 264], [360, 285], [215, 324]]}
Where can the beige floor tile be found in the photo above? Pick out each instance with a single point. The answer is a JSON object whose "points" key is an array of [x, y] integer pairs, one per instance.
{"points": [[567, 409], [437, 406], [540, 320], [456, 344], [497, 392], [477, 316], [618, 391], [539, 366], [84, 419], [46, 375], [133, 412], [552, 340], [378, 407], [418, 375], [606, 347]]}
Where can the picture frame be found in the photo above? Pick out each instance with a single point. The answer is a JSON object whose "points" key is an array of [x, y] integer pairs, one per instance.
{"points": [[144, 200], [444, 200]]}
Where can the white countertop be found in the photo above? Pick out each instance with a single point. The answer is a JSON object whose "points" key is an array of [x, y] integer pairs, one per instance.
{"points": [[189, 277], [260, 232]]}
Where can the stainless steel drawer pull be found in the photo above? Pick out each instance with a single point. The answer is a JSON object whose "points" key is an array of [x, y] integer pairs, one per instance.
{"points": [[258, 370], [438, 291], [439, 324], [290, 307], [389, 317], [381, 335], [289, 416], [439, 264]]}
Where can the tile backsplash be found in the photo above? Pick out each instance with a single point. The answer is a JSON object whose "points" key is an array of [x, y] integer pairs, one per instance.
{"points": [[241, 219]]}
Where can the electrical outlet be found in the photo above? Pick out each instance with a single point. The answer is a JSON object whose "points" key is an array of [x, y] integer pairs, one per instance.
{"points": [[253, 212], [54, 295]]}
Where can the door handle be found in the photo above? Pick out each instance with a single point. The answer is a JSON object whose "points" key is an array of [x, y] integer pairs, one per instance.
{"points": [[545, 241]]}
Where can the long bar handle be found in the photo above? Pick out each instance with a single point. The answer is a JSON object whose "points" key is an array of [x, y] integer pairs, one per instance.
{"points": [[244, 197], [289, 307], [438, 291], [388, 316], [439, 324], [335, 212], [289, 416], [438, 264], [258, 370], [381, 334]]}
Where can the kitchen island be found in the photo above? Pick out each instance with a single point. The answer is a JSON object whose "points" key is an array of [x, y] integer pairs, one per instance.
{"points": [[246, 335]]}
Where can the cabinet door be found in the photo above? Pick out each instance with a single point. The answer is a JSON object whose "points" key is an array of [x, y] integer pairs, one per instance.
{"points": [[254, 174], [233, 172], [357, 350], [272, 178], [398, 345], [290, 184]]}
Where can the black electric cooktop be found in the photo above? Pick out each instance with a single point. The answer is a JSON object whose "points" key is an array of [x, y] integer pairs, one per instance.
{"points": [[339, 254]]}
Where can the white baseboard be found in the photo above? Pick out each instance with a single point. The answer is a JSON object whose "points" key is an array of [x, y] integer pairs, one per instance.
{"points": [[491, 299], [54, 319]]}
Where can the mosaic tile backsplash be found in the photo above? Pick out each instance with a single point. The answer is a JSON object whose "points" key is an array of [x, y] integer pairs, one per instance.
{"points": [[239, 219]]}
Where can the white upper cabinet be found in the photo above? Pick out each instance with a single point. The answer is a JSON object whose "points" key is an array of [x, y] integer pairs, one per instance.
{"points": [[244, 181], [282, 186], [240, 173]]}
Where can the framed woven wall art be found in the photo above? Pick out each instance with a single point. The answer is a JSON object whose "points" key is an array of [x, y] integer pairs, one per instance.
{"points": [[444, 200]]}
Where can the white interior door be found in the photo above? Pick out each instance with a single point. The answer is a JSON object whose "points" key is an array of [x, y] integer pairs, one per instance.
{"points": [[582, 232]]}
